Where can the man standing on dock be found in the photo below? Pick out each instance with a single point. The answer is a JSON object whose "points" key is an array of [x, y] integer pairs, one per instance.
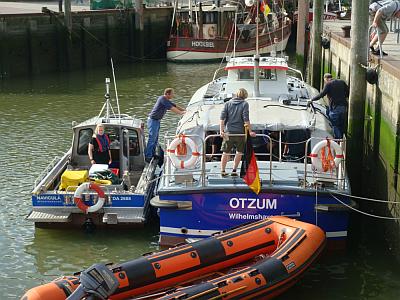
{"points": [[381, 11], [337, 91], [163, 104]]}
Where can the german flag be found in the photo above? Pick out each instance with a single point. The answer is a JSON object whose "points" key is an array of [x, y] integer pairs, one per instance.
{"points": [[249, 169]]}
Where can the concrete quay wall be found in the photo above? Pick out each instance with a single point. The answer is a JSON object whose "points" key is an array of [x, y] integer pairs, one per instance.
{"points": [[380, 174], [40, 43]]}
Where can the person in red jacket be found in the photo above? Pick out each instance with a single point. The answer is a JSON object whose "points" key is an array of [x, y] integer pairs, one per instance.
{"points": [[99, 147]]}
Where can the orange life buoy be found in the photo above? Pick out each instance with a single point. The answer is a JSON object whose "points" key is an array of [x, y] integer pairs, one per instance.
{"points": [[322, 162], [173, 155], [81, 204]]}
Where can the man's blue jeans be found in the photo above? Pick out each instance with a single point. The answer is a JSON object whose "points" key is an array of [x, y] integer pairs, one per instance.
{"points": [[337, 116], [153, 127]]}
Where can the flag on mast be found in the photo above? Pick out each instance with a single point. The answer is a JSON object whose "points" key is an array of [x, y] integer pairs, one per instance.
{"points": [[264, 7], [249, 169]]}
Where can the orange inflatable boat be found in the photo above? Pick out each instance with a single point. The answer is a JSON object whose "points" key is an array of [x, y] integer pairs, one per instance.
{"points": [[260, 259]]}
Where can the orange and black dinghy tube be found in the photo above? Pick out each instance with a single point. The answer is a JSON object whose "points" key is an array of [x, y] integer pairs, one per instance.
{"points": [[299, 244], [159, 271]]}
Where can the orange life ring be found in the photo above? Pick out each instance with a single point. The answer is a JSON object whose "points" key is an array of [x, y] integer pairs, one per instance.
{"points": [[81, 204], [175, 145], [318, 160]]}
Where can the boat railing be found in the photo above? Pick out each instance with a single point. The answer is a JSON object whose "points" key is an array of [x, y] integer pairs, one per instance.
{"points": [[267, 139], [201, 172], [48, 173], [217, 71], [337, 174], [311, 177]]}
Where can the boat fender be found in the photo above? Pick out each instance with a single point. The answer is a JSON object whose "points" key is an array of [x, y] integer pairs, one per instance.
{"points": [[79, 200], [180, 163], [317, 161], [325, 43], [372, 76]]}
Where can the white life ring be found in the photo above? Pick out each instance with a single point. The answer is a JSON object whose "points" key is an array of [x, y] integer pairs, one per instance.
{"points": [[179, 163], [316, 160], [81, 204]]}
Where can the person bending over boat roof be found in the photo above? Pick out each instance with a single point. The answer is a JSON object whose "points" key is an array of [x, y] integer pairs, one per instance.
{"points": [[337, 91], [99, 147], [163, 104], [234, 116]]}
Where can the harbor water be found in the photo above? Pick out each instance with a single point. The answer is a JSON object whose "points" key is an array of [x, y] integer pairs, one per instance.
{"points": [[35, 126]]}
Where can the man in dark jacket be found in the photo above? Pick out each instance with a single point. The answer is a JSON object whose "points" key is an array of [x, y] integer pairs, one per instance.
{"points": [[234, 116], [337, 91]]}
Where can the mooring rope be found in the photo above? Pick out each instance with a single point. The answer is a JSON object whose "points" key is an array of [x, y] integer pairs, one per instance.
{"points": [[363, 212]]}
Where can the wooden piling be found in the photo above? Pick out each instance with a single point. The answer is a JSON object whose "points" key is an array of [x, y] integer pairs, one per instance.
{"points": [[318, 10], [358, 85], [67, 16], [302, 21], [139, 22]]}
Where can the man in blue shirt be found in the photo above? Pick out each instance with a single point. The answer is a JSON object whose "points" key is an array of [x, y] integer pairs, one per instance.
{"points": [[163, 104]]}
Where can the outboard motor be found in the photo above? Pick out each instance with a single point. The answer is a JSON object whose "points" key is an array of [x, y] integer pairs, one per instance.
{"points": [[96, 282]]}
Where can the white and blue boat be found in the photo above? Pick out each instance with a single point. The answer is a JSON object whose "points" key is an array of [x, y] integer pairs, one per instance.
{"points": [[72, 192], [195, 201]]}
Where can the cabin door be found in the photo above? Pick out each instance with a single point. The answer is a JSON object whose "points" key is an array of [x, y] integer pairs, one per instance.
{"points": [[124, 151]]}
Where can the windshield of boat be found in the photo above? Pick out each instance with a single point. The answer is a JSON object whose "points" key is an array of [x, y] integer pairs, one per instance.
{"points": [[264, 74]]}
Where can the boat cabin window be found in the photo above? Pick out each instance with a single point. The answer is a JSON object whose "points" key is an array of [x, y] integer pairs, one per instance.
{"points": [[134, 149], [210, 17], [85, 136], [264, 74], [113, 135]]}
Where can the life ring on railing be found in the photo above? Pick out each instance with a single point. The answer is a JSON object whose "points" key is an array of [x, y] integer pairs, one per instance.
{"points": [[181, 142], [327, 162], [81, 204]]}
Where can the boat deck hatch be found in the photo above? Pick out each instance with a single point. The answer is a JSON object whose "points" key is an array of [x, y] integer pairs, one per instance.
{"points": [[135, 216], [40, 216]]}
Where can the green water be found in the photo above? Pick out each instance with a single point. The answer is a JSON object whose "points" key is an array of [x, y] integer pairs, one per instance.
{"points": [[35, 126]]}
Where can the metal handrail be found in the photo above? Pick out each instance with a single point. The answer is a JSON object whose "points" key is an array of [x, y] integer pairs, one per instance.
{"points": [[297, 71], [46, 171], [204, 154], [216, 72], [340, 174]]}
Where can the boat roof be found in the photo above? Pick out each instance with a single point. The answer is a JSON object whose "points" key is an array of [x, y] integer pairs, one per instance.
{"points": [[124, 121], [279, 63], [264, 114]]}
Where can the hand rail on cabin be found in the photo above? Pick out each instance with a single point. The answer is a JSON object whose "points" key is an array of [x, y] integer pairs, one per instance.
{"points": [[297, 71], [216, 72]]}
